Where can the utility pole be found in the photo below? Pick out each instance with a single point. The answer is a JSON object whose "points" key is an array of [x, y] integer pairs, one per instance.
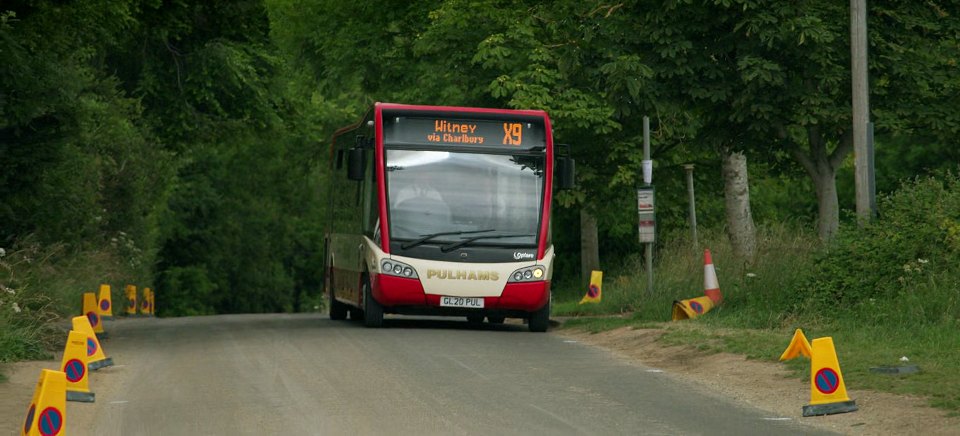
{"points": [[863, 152], [693, 205]]}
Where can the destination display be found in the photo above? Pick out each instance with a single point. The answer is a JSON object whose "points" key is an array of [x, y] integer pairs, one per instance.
{"points": [[514, 134]]}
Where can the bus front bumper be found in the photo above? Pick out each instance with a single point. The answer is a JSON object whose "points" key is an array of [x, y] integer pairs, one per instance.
{"points": [[404, 295]]}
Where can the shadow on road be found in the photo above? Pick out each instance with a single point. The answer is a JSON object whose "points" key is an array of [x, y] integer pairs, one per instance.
{"points": [[437, 323]]}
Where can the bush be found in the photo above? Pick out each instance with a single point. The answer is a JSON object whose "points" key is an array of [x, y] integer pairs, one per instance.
{"points": [[907, 255], [42, 284], [26, 314], [760, 294], [187, 291]]}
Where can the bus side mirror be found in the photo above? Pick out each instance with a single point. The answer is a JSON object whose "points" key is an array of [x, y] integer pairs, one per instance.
{"points": [[356, 164], [565, 172]]}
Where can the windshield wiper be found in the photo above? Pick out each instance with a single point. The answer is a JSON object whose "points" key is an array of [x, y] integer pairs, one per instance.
{"points": [[426, 238], [465, 241]]}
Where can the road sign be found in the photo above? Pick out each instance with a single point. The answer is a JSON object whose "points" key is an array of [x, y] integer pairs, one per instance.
{"points": [[74, 370], [646, 215], [827, 380], [28, 422], [94, 319], [51, 421], [91, 347], [697, 307]]}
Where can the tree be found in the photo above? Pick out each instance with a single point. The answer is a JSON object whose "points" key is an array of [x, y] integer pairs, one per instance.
{"points": [[574, 61], [79, 165], [240, 221]]}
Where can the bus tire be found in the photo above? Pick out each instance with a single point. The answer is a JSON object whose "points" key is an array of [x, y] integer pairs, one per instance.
{"points": [[496, 319], [540, 320], [372, 310]]}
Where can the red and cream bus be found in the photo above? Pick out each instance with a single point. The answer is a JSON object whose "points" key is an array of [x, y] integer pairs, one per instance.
{"points": [[442, 211]]}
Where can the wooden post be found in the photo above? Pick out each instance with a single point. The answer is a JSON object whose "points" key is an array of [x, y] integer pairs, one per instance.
{"points": [[861, 109], [693, 205]]}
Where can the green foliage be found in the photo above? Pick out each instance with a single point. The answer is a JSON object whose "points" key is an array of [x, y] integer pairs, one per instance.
{"points": [[903, 257], [171, 135], [241, 229], [41, 284], [896, 269], [179, 142], [883, 291], [757, 294], [70, 142], [25, 331], [189, 291]]}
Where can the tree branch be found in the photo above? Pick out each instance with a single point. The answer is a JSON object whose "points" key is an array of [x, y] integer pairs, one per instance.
{"points": [[818, 149], [176, 61], [840, 153], [805, 161]]}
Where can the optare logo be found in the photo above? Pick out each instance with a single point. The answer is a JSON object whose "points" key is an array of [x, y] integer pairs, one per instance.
{"points": [[521, 255]]}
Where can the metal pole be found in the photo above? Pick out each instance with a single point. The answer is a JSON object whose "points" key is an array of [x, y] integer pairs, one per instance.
{"points": [[693, 205], [648, 252], [872, 170], [861, 108]]}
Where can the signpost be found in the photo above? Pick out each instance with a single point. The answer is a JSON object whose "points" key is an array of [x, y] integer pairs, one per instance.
{"points": [[646, 224], [645, 206]]}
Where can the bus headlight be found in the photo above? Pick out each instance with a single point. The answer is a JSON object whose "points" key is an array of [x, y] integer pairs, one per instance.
{"points": [[529, 274], [399, 269]]}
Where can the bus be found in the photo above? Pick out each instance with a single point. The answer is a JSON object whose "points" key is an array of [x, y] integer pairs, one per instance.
{"points": [[442, 211]]}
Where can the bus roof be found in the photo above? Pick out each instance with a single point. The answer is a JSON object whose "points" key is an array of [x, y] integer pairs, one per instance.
{"points": [[476, 110]]}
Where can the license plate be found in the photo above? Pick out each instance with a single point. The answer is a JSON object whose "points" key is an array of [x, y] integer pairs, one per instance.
{"points": [[471, 302]]}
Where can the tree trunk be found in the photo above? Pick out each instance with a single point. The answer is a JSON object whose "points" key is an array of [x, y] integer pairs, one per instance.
{"points": [[589, 247], [736, 193], [822, 169], [828, 207]]}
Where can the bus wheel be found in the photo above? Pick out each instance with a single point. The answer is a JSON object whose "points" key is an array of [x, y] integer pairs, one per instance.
{"points": [[496, 319], [372, 310], [540, 320]]}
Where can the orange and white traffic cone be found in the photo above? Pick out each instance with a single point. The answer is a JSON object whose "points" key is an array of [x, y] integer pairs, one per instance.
{"points": [[711, 287]]}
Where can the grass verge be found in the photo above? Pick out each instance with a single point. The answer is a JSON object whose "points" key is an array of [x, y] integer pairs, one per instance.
{"points": [[764, 303], [40, 285]]}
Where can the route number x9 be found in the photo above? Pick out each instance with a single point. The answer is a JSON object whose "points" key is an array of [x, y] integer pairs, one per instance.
{"points": [[512, 133]]}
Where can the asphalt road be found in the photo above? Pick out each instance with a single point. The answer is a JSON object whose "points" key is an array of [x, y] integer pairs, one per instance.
{"points": [[305, 374]]}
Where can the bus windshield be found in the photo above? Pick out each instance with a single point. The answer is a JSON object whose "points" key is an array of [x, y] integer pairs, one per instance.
{"points": [[460, 196]]}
